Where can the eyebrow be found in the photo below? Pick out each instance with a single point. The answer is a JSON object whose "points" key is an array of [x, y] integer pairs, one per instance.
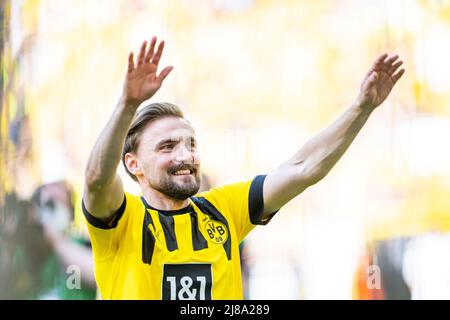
{"points": [[162, 142], [170, 140]]}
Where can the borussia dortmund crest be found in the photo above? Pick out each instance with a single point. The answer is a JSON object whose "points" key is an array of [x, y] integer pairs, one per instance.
{"points": [[216, 232]]}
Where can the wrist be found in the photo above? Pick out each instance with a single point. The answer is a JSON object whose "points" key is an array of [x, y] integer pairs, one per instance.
{"points": [[363, 106], [128, 104]]}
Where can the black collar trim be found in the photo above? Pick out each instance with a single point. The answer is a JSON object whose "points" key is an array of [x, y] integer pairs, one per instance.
{"points": [[187, 209]]}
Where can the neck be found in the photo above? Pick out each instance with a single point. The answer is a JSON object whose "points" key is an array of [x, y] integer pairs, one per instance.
{"points": [[161, 201]]}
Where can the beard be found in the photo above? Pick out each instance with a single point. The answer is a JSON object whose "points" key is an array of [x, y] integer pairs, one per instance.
{"points": [[178, 190]]}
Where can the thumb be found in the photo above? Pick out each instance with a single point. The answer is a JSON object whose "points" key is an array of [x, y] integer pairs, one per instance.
{"points": [[164, 73]]}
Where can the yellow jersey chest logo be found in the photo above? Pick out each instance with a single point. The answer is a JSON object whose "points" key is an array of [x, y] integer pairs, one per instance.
{"points": [[215, 232]]}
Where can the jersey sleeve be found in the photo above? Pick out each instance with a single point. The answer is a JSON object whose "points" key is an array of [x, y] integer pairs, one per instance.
{"points": [[242, 202], [105, 237]]}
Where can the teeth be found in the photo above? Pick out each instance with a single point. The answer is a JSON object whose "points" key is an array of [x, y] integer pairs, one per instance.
{"points": [[181, 172]]}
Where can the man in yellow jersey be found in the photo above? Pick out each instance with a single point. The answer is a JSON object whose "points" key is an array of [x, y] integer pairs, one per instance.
{"points": [[170, 242]]}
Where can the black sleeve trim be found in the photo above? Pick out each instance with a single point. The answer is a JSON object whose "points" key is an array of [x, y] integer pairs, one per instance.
{"points": [[256, 202], [98, 223]]}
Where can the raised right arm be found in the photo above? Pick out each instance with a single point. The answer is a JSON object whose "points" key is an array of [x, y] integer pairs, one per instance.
{"points": [[103, 189]]}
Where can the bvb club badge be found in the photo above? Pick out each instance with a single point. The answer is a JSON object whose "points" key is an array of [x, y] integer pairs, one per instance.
{"points": [[216, 232]]}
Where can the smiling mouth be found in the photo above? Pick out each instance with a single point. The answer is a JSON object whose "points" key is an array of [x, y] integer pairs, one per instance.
{"points": [[185, 172]]}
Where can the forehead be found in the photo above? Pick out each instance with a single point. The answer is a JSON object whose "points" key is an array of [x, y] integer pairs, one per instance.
{"points": [[166, 128]]}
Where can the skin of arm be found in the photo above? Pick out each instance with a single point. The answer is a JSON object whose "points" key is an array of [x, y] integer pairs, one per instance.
{"points": [[319, 155], [103, 191]]}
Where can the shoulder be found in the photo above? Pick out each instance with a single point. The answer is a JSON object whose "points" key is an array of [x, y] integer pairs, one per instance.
{"points": [[130, 202], [133, 201], [248, 190], [241, 197]]}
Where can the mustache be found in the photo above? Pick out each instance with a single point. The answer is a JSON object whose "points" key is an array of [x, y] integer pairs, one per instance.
{"points": [[183, 166]]}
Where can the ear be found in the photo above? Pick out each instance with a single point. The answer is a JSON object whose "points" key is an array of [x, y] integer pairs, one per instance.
{"points": [[132, 164]]}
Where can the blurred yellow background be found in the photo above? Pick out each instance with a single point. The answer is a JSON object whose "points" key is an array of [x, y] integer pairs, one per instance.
{"points": [[257, 78]]}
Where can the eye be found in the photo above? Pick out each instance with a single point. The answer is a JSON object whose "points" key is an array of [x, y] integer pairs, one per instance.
{"points": [[167, 147]]}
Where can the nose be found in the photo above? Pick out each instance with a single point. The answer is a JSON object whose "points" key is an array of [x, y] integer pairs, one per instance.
{"points": [[184, 155]]}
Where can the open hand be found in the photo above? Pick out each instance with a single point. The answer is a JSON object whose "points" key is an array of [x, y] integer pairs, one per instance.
{"points": [[141, 81], [380, 80]]}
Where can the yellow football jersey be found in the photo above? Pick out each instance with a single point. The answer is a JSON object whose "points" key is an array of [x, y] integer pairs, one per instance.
{"points": [[191, 253]]}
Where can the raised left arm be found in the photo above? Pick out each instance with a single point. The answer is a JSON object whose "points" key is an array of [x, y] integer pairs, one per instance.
{"points": [[319, 155]]}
